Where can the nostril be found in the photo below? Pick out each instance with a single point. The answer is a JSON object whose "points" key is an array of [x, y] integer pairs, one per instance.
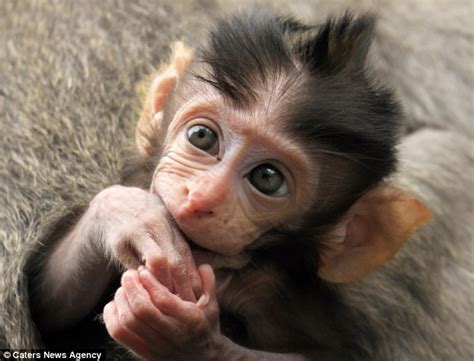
{"points": [[202, 213]]}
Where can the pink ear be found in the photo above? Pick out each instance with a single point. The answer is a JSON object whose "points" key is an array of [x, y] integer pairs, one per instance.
{"points": [[378, 226], [162, 84]]}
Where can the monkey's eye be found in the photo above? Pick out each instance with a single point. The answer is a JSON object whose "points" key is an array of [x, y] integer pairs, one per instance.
{"points": [[203, 138], [268, 180]]}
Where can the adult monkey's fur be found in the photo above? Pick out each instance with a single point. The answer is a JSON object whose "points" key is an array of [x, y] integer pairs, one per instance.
{"points": [[67, 118]]}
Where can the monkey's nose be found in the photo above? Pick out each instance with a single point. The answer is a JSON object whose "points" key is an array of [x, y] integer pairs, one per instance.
{"points": [[194, 209]]}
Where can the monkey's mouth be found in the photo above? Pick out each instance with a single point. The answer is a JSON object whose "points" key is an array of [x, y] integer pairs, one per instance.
{"points": [[217, 260]]}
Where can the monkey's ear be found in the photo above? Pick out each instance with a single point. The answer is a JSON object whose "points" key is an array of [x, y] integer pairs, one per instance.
{"points": [[376, 228], [340, 44], [162, 84]]}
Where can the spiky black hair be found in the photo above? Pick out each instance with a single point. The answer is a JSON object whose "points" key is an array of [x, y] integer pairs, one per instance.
{"points": [[344, 118]]}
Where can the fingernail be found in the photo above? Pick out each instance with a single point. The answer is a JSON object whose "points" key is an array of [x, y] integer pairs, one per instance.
{"points": [[142, 270], [203, 300]]}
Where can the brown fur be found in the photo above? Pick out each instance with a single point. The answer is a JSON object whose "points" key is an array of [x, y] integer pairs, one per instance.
{"points": [[67, 120]]}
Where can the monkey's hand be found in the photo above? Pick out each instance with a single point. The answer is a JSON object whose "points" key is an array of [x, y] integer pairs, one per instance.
{"points": [[158, 325], [134, 227], [123, 226]]}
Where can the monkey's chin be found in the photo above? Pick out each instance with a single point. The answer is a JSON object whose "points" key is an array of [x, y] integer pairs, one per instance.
{"points": [[200, 239], [193, 245], [217, 260], [196, 247]]}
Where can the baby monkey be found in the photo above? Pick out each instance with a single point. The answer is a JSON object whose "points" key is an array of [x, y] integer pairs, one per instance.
{"points": [[266, 153], [273, 128]]}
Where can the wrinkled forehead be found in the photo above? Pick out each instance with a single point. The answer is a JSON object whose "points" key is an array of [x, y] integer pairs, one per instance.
{"points": [[265, 115], [260, 124], [244, 86]]}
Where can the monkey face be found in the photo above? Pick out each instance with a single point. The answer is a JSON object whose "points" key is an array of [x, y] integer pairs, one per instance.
{"points": [[227, 176]]}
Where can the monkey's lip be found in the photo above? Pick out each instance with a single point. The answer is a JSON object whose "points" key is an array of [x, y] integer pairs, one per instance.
{"points": [[203, 255], [216, 260], [194, 245], [197, 249]]}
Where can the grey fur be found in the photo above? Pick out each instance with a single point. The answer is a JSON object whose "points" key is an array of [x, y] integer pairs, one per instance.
{"points": [[67, 117], [422, 307]]}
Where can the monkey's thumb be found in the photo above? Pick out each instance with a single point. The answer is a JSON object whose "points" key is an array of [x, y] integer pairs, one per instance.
{"points": [[208, 280]]}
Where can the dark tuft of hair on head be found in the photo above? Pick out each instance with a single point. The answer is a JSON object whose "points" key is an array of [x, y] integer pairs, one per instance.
{"points": [[348, 121], [338, 45], [246, 51], [333, 106]]}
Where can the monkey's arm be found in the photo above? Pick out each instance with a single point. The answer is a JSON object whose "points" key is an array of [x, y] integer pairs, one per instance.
{"points": [[72, 278], [233, 352], [122, 226]]}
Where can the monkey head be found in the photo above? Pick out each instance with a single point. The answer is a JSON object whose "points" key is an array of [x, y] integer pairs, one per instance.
{"points": [[232, 179], [275, 125]]}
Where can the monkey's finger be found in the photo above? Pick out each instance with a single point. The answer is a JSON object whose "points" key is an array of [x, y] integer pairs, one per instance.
{"points": [[156, 261], [141, 305], [132, 322], [129, 320], [184, 269], [209, 285], [181, 264], [122, 335], [167, 302], [182, 279], [183, 287], [193, 276]]}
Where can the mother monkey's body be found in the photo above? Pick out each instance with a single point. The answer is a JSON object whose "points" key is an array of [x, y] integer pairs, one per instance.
{"points": [[268, 150]]}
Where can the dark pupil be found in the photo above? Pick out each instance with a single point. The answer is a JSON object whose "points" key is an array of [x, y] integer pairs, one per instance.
{"points": [[266, 178], [202, 137]]}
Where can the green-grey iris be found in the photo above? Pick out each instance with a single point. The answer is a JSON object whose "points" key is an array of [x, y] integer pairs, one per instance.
{"points": [[268, 180], [203, 137]]}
